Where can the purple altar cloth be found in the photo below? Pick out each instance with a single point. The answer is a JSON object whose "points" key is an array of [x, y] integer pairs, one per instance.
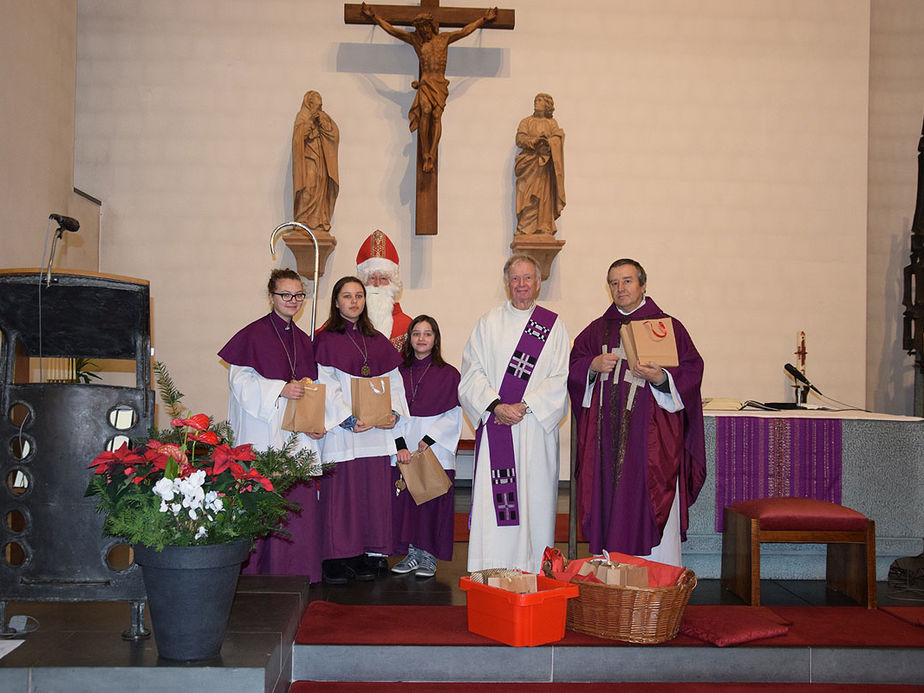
{"points": [[759, 457]]}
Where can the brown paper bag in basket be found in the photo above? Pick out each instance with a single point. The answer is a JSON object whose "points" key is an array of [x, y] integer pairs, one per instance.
{"points": [[424, 476], [371, 400], [306, 415], [650, 340]]}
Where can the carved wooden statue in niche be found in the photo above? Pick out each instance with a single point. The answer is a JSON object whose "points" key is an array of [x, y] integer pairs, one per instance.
{"points": [[315, 175], [540, 169], [540, 184]]}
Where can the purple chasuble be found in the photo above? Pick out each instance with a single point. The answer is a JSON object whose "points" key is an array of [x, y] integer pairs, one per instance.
{"points": [[500, 438], [271, 346], [629, 460]]}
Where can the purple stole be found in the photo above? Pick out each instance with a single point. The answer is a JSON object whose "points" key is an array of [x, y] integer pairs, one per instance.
{"points": [[500, 437]]}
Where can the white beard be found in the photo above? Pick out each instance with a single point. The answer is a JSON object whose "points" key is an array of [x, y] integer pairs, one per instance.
{"points": [[380, 302]]}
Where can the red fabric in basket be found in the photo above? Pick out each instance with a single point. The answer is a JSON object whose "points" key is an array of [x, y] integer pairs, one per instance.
{"points": [[659, 574]]}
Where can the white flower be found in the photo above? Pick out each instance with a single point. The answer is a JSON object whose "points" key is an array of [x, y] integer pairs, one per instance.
{"points": [[176, 508], [165, 489], [201, 532], [213, 502], [191, 488]]}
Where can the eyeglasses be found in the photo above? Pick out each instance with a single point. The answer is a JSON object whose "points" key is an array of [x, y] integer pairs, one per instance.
{"points": [[286, 296]]}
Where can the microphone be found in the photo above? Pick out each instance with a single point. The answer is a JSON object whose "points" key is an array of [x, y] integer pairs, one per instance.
{"points": [[66, 223], [797, 374]]}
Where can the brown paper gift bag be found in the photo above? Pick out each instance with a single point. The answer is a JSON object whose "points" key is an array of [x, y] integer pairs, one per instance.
{"points": [[371, 400], [306, 415], [425, 477], [650, 340]]}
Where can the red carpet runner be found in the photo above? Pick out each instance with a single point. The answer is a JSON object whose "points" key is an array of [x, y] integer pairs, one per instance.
{"points": [[325, 623], [402, 687]]}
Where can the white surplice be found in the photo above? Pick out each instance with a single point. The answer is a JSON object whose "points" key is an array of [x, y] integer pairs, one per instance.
{"points": [[255, 411], [445, 430], [535, 439], [339, 444]]}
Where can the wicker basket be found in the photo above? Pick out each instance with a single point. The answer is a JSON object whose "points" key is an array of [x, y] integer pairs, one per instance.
{"points": [[631, 614]]}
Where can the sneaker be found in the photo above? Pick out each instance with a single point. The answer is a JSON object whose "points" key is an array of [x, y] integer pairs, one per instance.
{"points": [[427, 567], [409, 563]]}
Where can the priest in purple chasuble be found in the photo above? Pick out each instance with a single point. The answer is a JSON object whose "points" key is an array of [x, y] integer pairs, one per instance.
{"points": [[514, 391], [264, 359], [426, 532], [641, 451], [356, 497]]}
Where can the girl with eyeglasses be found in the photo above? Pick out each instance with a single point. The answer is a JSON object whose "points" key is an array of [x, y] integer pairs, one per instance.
{"points": [[266, 360]]}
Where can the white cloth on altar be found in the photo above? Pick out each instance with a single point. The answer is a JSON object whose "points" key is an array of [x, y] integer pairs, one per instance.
{"points": [[340, 445], [255, 411], [445, 430], [535, 439]]}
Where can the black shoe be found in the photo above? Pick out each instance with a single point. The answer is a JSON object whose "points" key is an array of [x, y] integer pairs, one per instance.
{"points": [[357, 568], [334, 572], [376, 564]]}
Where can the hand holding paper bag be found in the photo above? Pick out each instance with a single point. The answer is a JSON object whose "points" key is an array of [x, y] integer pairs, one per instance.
{"points": [[306, 414], [371, 400]]}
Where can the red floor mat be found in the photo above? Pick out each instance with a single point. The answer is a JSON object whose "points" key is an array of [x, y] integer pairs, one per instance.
{"points": [[819, 626]]}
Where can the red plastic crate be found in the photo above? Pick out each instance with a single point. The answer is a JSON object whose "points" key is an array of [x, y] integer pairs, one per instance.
{"points": [[521, 620]]}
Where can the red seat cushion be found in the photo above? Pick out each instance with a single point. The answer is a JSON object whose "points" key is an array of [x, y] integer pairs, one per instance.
{"points": [[806, 514]]}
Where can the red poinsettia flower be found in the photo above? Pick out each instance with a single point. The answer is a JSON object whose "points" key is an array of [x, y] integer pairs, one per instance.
{"points": [[200, 422], [105, 460], [224, 455], [254, 475]]}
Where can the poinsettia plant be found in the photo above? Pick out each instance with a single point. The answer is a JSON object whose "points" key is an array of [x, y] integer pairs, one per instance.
{"points": [[190, 485]]}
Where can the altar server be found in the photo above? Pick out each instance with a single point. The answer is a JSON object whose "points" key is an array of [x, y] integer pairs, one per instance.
{"points": [[267, 359]]}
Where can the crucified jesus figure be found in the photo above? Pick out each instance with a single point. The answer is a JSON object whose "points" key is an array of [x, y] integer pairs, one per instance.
{"points": [[432, 48]]}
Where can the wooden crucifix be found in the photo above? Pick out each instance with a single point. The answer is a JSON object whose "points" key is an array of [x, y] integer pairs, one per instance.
{"points": [[432, 87]]}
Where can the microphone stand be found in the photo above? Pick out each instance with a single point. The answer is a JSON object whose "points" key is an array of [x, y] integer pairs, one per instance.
{"points": [[301, 227], [51, 255]]}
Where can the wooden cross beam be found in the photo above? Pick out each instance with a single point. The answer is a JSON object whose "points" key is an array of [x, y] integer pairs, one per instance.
{"points": [[403, 15], [431, 46]]}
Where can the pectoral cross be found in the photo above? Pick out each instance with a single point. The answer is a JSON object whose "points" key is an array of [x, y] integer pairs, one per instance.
{"points": [[431, 47]]}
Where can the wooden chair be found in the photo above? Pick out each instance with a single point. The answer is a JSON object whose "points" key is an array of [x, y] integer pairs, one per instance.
{"points": [[850, 536]]}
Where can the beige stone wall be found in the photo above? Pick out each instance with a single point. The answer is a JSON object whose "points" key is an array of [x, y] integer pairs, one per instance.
{"points": [[38, 49], [896, 112]]}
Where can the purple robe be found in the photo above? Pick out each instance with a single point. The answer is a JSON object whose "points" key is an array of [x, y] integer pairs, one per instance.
{"points": [[258, 346], [430, 526], [356, 495], [624, 506]]}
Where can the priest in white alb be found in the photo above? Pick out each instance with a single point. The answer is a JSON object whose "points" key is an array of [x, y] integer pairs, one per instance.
{"points": [[514, 391]]}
